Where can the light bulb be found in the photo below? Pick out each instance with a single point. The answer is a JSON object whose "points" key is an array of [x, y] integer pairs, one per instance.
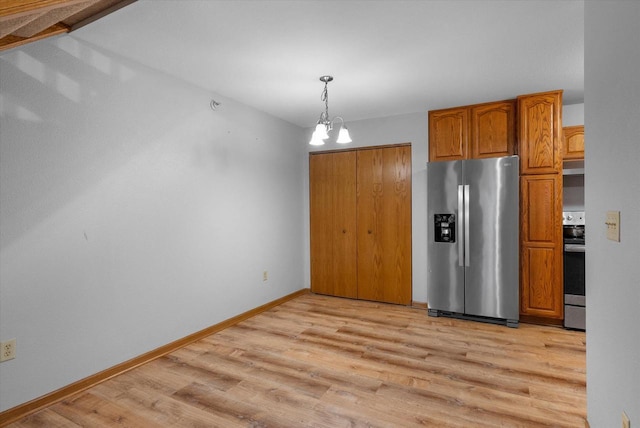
{"points": [[315, 140], [321, 131], [343, 136]]}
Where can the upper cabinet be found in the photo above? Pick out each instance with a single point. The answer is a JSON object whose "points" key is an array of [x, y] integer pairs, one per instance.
{"points": [[493, 129], [449, 134], [539, 131], [472, 132], [573, 142]]}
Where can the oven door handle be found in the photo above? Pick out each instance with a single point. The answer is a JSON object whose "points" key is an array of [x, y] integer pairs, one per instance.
{"points": [[574, 248]]}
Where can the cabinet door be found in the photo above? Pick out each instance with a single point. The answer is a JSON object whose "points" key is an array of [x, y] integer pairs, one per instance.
{"points": [[493, 130], [384, 224], [539, 128], [332, 200], [573, 142], [448, 134], [541, 276]]}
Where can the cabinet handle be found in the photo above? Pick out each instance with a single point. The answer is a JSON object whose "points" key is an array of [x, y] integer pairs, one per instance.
{"points": [[344, 230], [369, 232]]}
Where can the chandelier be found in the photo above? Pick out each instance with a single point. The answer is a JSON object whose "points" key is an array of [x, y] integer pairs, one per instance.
{"points": [[325, 124]]}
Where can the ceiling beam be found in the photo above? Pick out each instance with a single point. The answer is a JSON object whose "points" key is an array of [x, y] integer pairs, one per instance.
{"points": [[54, 16], [9, 25], [15, 8], [100, 14], [11, 41], [24, 21]]}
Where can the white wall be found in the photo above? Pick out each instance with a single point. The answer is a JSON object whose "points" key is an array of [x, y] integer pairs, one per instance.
{"points": [[131, 213], [408, 128], [612, 174], [573, 114]]}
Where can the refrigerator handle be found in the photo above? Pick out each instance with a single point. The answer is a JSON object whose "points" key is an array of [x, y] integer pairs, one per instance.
{"points": [[467, 262], [461, 226]]}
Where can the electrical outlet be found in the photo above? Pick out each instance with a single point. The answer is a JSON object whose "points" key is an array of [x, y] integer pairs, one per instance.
{"points": [[626, 423], [7, 350], [613, 225], [265, 275]]}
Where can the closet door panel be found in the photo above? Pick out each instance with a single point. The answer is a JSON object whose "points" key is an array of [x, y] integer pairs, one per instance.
{"points": [[332, 199], [384, 224]]}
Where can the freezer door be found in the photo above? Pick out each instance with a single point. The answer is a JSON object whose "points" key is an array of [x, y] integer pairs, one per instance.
{"points": [[491, 277], [445, 269]]}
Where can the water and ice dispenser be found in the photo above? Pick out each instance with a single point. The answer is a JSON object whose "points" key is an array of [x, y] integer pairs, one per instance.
{"points": [[445, 227]]}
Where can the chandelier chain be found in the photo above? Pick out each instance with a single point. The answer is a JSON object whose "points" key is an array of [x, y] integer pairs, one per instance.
{"points": [[325, 97]]}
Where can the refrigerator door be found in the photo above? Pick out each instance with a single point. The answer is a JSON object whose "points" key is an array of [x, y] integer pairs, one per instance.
{"points": [[492, 253], [445, 268]]}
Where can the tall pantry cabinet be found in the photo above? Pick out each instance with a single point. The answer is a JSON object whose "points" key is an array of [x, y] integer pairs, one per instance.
{"points": [[360, 214], [541, 263]]}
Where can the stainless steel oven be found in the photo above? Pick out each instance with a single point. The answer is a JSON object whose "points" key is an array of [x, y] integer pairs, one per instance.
{"points": [[574, 270]]}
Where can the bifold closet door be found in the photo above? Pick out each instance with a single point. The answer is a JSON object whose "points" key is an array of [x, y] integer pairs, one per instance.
{"points": [[384, 224], [332, 200]]}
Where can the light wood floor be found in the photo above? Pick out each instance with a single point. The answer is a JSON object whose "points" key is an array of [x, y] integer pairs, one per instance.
{"points": [[331, 362]]}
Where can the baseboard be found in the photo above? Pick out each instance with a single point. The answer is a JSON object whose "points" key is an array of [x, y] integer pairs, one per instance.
{"points": [[22, 410], [530, 319], [419, 305]]}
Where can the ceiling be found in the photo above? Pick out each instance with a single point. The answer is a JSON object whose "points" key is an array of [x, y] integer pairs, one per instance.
{"points": [[387, 57]]}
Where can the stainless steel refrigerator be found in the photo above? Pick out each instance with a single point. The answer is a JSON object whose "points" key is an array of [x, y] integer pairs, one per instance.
{"points": [[473, 250]]}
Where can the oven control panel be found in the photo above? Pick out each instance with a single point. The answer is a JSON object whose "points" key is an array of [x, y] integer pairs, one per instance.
{"points": [[573, 218]]}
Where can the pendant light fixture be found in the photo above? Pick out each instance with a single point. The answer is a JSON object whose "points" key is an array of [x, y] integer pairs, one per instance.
{"points": [[325, 124]]}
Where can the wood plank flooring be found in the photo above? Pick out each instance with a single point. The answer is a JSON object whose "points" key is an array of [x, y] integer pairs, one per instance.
{"points": [[319, 361]]}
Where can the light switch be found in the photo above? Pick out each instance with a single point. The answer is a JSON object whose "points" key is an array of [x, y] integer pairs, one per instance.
{"points": [[613, 225]]}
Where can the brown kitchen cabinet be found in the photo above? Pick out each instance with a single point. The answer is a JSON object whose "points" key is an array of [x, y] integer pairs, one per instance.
{"points": [[472, 132], [368, 192], [539, 132], [573, 142], [493, 129], [449, 134], [541, 265], [541, 262]]}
